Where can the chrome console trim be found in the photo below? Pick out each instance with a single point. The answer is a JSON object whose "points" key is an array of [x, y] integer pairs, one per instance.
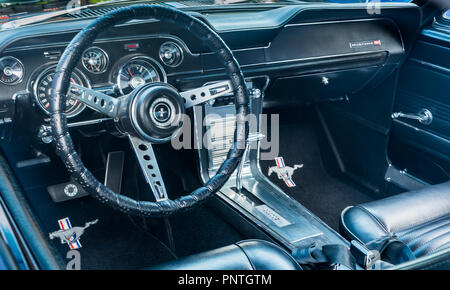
{"points": [[260, 200]]}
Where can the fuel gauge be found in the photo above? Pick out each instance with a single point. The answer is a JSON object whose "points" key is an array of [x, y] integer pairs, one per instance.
{"points": [[95, 60], [171, 54], [11, 70]]}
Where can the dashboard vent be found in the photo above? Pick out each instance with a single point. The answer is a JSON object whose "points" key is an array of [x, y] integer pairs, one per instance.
{"points": [[90, 13], [97, 12], [192, 3]]}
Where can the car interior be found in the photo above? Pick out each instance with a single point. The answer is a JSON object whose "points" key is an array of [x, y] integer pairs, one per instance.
{"points": [[249, 136]]}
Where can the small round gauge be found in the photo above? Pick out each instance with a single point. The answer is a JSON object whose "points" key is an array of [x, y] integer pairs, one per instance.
{"points": [[171, 54], [11, 70], [95, 60], [43, 88], [138, 71]]}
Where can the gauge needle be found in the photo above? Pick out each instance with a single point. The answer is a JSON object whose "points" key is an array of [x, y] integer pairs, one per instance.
{"points": [[129, 71]]}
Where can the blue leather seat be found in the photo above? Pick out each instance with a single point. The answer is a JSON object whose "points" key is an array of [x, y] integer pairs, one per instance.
{"points": [[244, 255], [420, 219]]}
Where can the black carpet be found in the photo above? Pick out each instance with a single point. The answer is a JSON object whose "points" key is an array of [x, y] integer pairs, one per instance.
{"points": [[118, 241], [323, 194], [200, 230], [113, 243]]}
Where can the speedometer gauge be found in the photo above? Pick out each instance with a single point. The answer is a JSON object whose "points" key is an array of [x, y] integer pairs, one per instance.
{"points": [[43, 88], [11, 70], [95, 60], [136, 72]]}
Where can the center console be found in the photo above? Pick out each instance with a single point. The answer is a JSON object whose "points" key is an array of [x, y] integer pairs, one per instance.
{"points": [[255, 196]]}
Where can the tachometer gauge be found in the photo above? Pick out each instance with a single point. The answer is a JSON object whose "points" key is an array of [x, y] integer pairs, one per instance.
{"points": [[95, 60], [11, 70], [136, 72], [43, 89]]}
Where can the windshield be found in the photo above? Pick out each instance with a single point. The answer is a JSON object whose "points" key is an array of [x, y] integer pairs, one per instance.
{"points": [[16, 9]]}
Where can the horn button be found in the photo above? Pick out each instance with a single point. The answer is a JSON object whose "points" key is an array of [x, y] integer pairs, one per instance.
{"points": [[161, 112], [155, 112]]}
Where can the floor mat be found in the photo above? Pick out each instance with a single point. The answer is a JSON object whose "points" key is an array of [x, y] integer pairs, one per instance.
{"points": [[325, 195], [114, 242], [119, 242]]}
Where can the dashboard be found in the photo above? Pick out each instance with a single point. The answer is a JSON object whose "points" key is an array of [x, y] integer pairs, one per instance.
{"points": [[296, 47], [101, 67], [113, 66]]}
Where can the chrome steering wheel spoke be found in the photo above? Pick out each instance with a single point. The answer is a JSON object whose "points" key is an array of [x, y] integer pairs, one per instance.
{"points": [[200, 95], [149, 166], [96, 100]]}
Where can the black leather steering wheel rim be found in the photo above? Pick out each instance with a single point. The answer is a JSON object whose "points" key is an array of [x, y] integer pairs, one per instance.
{"points": [[63, 141]]}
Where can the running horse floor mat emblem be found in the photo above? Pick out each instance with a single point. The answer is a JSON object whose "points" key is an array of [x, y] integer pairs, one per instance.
{"points": [[284, 172], [70, 235]]}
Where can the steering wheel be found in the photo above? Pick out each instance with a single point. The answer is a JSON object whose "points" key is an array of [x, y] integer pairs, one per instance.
{"points": [[136, 114]]}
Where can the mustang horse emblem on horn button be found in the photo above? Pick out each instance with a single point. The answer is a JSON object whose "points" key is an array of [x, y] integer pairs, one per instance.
{"points": [[284, 172], [70, 235]]}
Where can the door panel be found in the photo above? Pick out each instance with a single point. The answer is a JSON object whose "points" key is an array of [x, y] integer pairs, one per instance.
{"points": [[424, 83]]}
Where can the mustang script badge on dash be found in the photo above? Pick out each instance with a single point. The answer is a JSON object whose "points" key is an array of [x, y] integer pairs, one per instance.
{"points": [[284, 172], [70, 235]]}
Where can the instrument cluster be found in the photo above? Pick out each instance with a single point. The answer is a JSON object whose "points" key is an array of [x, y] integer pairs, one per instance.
{"points": [[99, 68]]}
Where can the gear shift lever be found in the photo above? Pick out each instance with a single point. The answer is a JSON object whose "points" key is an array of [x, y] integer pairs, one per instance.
{"points": [[251, 138]]}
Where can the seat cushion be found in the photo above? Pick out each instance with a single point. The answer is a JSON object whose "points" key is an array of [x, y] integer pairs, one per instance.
{"points": [[244, 255], [420, 219]]}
